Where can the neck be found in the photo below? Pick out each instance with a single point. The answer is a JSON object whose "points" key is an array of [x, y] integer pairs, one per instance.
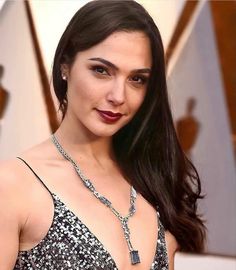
{"points": [[79, 142]]}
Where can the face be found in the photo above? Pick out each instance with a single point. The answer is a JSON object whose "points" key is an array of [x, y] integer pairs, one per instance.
{"points": [[108, 82]]}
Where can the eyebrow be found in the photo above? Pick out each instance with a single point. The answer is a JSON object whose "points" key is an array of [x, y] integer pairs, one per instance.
{"points": [[108, 63]]}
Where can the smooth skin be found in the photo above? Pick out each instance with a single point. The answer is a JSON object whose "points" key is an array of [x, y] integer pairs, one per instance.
{"points": [[111, 76]]}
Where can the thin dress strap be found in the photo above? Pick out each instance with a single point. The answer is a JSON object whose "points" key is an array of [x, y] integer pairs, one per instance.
{"points": [[35, 174]]}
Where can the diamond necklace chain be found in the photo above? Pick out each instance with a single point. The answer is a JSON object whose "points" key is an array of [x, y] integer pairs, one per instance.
{"points": [[124, 220]]}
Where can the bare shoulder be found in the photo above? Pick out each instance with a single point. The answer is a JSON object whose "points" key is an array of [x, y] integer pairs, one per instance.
{"points": [[10, 171], [172, 247], [13, 212], [39, 151], [14, 176], [12, 184], [11, 192]]}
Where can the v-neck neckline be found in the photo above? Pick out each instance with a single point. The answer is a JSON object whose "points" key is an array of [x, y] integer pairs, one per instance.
{"points": [[99, 241]]}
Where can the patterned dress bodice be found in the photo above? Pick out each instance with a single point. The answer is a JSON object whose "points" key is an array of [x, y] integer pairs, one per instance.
{"points": [[70, 245]]}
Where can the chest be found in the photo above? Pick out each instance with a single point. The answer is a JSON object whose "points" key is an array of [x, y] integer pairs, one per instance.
{"points": [[78, 218]]}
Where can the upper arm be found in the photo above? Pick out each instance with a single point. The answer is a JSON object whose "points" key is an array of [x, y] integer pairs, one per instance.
{"points": [[172, 247], [10, 217]]}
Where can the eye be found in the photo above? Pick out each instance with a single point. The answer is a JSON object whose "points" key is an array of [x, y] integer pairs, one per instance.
{"points": [[137, 79], [100, 70]]}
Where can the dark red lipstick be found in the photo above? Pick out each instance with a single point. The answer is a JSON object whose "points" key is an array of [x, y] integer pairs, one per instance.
{"points": [[109, 117]]}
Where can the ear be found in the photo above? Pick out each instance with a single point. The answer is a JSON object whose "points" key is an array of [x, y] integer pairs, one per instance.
{"points": [[64, 71]]}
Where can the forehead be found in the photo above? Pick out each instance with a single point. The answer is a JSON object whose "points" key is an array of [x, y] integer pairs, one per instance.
{"points": [[130, 50]]}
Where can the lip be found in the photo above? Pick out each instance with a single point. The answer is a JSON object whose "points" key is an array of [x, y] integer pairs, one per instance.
{"points": [[109, 116]]}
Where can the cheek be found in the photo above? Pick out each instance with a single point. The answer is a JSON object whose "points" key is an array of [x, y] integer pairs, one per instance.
{"points": [[136, 100], [81, 90]]}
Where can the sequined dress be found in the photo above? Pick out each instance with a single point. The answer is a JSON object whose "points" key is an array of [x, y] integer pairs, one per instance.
{"points": [[70, 245]]}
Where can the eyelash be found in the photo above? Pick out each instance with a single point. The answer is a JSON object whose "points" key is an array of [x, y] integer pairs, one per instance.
{"points": [[102, 69], [96, 68], [142, 78]]}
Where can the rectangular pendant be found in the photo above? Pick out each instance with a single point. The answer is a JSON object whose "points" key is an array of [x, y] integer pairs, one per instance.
{"points": [[134, 257]]}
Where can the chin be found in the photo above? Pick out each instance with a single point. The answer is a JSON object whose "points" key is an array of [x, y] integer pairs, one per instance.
{"points": [[107, 131], [101, 129]]}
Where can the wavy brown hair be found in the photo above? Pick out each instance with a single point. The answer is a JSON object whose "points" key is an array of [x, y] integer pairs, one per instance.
{"points": [[147, 149]]}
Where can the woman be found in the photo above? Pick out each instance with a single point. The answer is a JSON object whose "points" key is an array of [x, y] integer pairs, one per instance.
{"points": [[139, 205]]}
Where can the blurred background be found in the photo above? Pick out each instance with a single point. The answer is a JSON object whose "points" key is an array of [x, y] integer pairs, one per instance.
{"points": [[200, 45]]}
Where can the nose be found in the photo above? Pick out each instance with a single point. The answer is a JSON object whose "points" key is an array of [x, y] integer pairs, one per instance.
{"points": [[116, 94]]}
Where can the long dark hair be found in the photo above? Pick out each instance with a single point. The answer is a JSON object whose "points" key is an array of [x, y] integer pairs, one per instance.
{"points": [[147, 149]]}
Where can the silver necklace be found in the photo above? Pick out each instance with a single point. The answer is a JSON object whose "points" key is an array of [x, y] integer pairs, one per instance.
{"points": [[134, 255]]}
